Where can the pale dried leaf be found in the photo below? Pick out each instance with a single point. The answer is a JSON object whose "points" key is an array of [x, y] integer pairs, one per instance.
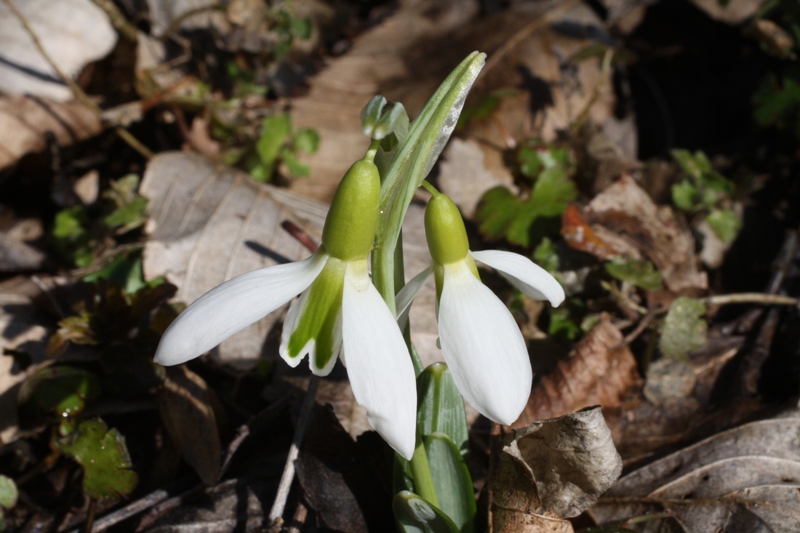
{"points": [[556, 467], [733, 12], [743, 479], [16, 256], [185, 407], [627, 218], [184, 15], [73, 32], [24, 120], [23, 329], [600, 370]]}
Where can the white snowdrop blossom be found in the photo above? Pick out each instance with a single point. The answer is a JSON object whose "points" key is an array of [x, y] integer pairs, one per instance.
{"points": [[339, 311], [480, 340]]}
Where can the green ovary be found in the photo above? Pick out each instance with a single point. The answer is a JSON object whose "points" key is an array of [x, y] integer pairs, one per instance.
{"points": [[318, 319]]}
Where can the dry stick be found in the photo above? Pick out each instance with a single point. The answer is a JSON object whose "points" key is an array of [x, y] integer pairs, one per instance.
{"points": [[124, 134], [118, 20], [753, 364], [299, 518], [751, 298], [276, 513]]}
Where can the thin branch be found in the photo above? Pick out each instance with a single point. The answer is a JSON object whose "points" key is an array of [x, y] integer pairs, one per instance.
{"points": [[751, 298], [118, 20], [276, 513], [124, 134]]}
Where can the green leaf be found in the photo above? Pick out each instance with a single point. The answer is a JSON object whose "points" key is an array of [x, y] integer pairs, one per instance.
{"points": [[126, 269], [562, 326], [640, 272], [275, 131], [415, 515], [8, 492], [452, 481], [693, 164], [529, 163], [301, 27], [684, 329], [725, 224], [718, 183], [60, 389], [545, 256], [295, 167], [441, 407], [306, 141], [552, 192], [684, 194], [127, 217], [102, 453], [69, 224], [778, 101]]}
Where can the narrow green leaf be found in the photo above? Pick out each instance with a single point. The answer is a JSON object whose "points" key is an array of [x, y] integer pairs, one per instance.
{"points": [[684, 329], [102, 453], [306, 141], [725, 224], [441, 407], [296, 168], [452, 481], [415, 515], [8, 492]]}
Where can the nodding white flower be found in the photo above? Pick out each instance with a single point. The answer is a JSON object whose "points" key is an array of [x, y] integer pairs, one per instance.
{"points": [[480, 340], [338, 312]]}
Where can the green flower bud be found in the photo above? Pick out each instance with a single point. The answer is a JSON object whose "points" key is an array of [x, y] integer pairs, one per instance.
{"points": [[349, 231], [445, 231]]}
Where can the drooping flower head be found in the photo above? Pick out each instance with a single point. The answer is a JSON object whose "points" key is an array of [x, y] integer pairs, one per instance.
{"points": [[480, 340], [338, 313]]}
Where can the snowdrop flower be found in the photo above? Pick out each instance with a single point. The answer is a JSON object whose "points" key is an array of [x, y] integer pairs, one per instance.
{"points": [[339, 311], [480, 340]]}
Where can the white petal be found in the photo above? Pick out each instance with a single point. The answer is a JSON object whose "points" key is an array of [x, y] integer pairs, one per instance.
{"points": [[233, 306], [483, 346], [524, 274], [378, 363], [408, 293]]}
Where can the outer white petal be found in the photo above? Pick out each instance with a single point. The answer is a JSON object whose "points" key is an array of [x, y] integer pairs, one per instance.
{"points": [[524, 274], [408, 293], [483, 346], [378, 363], [233, 306]]}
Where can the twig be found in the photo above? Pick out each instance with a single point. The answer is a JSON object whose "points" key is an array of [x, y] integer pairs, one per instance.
{"points": [[276, 513], [118, 20], [751, 298], [753, 364], [643, 324], [299, 518], [124, 134], [297, 232], [87, 527]]}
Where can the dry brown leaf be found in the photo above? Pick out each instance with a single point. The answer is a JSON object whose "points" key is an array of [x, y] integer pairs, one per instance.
{"points": [[551, 470], [23, 329], [598, 371], [627, 219], [24, 120], [16, 256], [732, 11], [743, 479], [209, 223], [186, 411]]}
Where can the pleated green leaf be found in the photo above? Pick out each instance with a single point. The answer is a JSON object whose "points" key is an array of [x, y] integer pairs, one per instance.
{"points": [[452, 481], [440, 408]]}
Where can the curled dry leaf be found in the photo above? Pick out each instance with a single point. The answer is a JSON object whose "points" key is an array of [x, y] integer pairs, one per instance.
{"points": [[551, 470], [186, 411], [24, 121], [743, 479], [600, 370], [627, 220]]}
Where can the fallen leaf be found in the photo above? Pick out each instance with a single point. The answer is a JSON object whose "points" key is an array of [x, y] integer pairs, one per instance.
{"points": [[341, 479], [732, 12], [185, 407], [24, 121], [600, 370], [24, 330], [15, 255], [551, 470], [743, 479], [73, 32], [580, 235], [184, 15], [626, 218]]}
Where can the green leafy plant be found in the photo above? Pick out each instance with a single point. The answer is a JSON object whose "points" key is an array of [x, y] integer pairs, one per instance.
{"points": [[546, 170], [8, 498], [639, 272], [278, 143], [684, 328], [708, 192]]}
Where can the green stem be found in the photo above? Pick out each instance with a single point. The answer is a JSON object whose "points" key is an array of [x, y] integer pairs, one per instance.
{"points": [[421, 472]]}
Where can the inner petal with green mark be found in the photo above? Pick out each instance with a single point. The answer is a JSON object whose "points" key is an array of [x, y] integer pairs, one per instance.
{"points": [[320, 319]]}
